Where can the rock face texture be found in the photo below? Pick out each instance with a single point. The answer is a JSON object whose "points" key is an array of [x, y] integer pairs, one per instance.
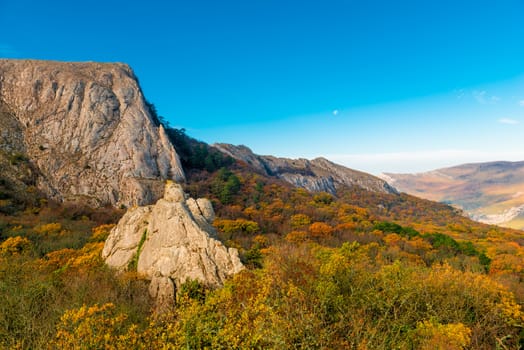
{"points": [[17, 175], [88, 131], [314, 175], [170, 242]]}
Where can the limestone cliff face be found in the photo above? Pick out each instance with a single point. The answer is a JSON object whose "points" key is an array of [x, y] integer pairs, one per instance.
{"points": [[314, 175], [86, 128], [170, 242]]}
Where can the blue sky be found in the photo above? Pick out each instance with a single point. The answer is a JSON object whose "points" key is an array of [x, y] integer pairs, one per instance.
{"points": [[398, 86]]}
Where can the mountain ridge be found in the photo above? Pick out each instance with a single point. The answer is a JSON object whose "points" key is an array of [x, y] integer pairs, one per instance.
{"points": [[489, 192], [316, 175]]}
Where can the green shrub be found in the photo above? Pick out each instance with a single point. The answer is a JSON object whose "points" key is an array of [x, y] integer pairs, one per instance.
{"points": [[17, 158]]}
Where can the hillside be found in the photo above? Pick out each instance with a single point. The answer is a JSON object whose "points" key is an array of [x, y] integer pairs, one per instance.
{"points": [[317, 175], [492, 192], [245, 252]]}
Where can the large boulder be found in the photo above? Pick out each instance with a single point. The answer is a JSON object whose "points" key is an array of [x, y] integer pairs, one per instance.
{"points": [[170, 242]]}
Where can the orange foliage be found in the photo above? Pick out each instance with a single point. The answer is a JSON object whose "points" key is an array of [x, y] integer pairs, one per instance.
{"points": [[58, 258], [101, 232], [297, 236], [320, 230]]}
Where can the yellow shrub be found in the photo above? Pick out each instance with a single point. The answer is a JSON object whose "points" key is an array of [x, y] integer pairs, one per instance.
{"points": [[236, 226], [14, 245], [86, 257], [89, 256], [95, 327], [435, 336], [299, 220], [101, 232], [261, 241], [297, 236], [321, 230], [51, 229], [57, 258]]}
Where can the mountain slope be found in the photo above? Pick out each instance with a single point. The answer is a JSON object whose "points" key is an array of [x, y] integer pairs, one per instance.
{"points": [[87, 129], [314, 175], [321, 269], [488, 192]]}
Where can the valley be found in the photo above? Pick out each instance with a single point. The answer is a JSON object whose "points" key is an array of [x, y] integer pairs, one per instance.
{"points": [[492, 193]]}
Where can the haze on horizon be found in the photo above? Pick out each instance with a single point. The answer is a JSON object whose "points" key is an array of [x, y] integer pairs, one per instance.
{"points": [[377, 86]]}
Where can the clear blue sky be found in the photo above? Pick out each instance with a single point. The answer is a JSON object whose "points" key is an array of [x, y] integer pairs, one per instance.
{"points": [[396, 86]]}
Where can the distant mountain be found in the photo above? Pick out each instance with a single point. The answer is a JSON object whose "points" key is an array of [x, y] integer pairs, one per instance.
{"points": [[85, 132], [491, 192], [314, 175]]}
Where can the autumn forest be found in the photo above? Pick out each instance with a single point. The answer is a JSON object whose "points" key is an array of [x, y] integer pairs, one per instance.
{"points": [[355, 270]]}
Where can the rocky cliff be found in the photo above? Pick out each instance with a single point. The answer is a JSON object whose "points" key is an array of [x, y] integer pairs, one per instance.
{"points": [[170, 242], [314, 175], [87, 131]]}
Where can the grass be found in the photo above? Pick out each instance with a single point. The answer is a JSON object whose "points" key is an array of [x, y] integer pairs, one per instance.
{"points": [[133, 264]]}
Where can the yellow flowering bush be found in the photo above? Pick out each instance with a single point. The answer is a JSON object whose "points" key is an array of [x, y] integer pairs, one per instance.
{"points": [[14, 245], [101, 232], [53, 229], [93, 327], [431, 335]]}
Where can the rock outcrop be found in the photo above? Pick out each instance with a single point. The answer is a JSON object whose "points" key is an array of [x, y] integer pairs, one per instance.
{"points": [[314, 175], [170, 242], [88, 131]]}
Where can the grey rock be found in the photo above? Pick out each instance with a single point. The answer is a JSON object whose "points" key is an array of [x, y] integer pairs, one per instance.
{"points": [[88, 131], [317, 175], [178, 242], [162, 290], [122, 244]]}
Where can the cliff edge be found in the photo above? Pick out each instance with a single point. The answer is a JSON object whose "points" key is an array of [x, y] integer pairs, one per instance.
{"points": [[87, 130]]}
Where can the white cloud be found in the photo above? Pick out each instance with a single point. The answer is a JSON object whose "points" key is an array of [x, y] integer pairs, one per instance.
{"points": [[483, 97], [335, 112], [521, 103], [508, 121]]}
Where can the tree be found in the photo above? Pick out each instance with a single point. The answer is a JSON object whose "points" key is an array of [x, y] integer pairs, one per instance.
{"points": [[320, 230], [226, 185]]}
